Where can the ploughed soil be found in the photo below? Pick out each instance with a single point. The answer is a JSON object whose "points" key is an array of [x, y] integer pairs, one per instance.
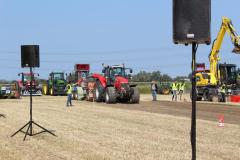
{"points": [[205, 111]]}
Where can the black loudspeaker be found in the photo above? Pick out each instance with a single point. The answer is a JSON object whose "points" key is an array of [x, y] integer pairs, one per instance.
{"points": [[191, 21], [30, 55]]}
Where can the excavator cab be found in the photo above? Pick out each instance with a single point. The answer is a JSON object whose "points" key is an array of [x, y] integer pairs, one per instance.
{"points": [[228, 73], [236, 50]]}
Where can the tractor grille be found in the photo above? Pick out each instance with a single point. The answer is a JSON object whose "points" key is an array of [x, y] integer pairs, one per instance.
{"points": [[126, 87]]}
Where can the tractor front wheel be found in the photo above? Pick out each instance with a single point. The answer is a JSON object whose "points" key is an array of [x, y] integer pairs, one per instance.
{"points": [[44, 90], [135, 95], [51, 92], [110, 95]]}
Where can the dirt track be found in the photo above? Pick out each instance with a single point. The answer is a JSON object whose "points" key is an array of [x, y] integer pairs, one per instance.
{"points": [[97, 131], [205, 111]]}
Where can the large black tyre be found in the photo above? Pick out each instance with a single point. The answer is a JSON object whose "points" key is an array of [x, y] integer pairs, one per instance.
{"points": [[206, 95], [198, 97], [110, 96], [135, 98], [98, 92]]}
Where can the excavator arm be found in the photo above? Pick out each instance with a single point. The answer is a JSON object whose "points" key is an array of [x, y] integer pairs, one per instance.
{"points": [[213, 56]]}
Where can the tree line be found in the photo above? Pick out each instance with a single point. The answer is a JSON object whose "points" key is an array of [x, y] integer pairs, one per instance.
{"points": [[144, 76]]}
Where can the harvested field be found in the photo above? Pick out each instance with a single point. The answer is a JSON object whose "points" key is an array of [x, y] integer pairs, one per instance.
{"points": [[149, 130]]}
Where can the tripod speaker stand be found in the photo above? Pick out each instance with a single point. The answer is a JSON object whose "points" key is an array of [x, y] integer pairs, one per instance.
{"points": [[30, 124]]}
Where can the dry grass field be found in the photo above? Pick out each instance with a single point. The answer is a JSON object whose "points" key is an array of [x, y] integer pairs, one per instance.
{"points": [[92, 131]]}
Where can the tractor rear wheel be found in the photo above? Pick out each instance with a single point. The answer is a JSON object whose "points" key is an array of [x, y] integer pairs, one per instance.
{"points": [[198, 97], [206, 96], [135, 98], [110, 96]]}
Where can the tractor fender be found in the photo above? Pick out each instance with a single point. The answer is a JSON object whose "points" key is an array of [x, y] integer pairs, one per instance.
{"points": [[100, 78], [20, 84]]}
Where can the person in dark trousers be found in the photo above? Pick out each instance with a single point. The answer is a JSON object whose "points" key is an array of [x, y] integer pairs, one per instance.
{"points": [[154, 89], [174, 90], [181, 89], [68, 89], [223, 93]]}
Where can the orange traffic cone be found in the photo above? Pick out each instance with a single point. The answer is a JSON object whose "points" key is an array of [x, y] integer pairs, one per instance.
{"points": [[221, 121]]}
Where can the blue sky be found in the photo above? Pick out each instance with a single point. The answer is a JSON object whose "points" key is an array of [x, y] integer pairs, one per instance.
{"points": [[135, 32]]}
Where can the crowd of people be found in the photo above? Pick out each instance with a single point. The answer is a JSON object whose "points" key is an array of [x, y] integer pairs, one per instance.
{"points": [[177, 88]]}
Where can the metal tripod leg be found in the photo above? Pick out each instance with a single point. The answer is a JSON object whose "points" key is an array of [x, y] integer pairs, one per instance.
{"points": [[26, 132], [44, 129], [20, 129]]}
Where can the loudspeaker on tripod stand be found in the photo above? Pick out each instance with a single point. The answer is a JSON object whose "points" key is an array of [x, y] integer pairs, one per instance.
{"points": [[30, 59]]}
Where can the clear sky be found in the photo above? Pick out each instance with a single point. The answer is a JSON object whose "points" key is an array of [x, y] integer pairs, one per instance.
{"points": [[135, 32]]}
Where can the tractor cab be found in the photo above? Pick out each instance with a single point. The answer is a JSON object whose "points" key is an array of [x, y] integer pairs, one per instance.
{"points": [[25, 83], [111, 72], [81, 72], [56, 76], [26, 79]]}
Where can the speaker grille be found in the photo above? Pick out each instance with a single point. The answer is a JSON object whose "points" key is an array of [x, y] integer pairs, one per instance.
{"points": [[191, 21], [30, 56]]}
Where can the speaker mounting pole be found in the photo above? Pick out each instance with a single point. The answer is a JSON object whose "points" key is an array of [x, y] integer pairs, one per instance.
{"points": [[29, 125], [193, 122]]}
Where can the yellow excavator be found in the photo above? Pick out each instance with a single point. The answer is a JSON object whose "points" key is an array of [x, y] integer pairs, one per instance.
{"points": [[208, 81]]}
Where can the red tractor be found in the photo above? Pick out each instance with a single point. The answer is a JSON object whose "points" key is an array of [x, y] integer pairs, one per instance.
{"points": [[24, 85], [114, 85]]}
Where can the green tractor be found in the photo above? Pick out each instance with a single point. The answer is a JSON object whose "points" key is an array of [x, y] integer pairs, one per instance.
{"points": [[55, 85]]}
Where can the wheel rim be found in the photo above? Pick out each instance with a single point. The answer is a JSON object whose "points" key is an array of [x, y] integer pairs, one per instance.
{"points": [[97, 93], [205, 96], [45, 90], [107, 97]]}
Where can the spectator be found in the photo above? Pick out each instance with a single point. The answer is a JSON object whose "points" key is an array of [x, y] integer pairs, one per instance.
{"points": [[68, 89], [154, 89], [174, 90], [223, 92], [181, 89]]}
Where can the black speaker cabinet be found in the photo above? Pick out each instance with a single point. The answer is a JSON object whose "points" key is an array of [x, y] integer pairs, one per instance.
{"points": [[30, 55], [191, 21]]}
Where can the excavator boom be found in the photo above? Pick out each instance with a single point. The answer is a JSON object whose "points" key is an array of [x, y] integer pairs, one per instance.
{"points": [[213, 56], [208, 80]]}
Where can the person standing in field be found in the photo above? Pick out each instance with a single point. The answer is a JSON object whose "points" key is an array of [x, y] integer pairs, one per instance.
{"points": [[154, 89], [223, 92], [181, 90], [68, 89], [174, 90]]}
